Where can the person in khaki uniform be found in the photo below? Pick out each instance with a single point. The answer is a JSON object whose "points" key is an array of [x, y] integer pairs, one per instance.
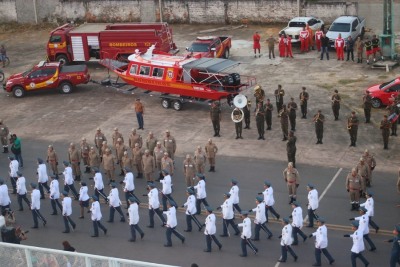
{"points": [[370, 161], [104, 146], [120, 148], [126, 161], [169, 144], [85, 154], [385, 129], [211, 151], [75, 158], [189, 171], [200, 160], [4, 132], [352, 127], [148, 165], [353, 186], [151, 143], [98, 140], [215, 116], [116, 135], [292, 179], [52, 159], [158, 152], [94, 158], [167, 164], [284, 115], [137, 155], [135, 138], [109, 165], [362, 171]]}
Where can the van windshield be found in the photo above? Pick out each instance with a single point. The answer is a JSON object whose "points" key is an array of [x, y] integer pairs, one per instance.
{"points": [[340, 27], [55, 39], [297, 24]]}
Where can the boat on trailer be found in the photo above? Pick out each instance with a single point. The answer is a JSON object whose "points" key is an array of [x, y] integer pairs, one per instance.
{"points": [[181, 79]]}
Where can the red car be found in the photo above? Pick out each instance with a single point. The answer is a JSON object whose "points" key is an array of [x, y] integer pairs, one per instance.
{"points": [[383, 94]]}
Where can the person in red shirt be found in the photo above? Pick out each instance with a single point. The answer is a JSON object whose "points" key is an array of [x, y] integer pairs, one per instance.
{"points": [[339, 45], [304, 40], [288, 44], [310, 38], [281, 45], [256, 44], [318, 36]]}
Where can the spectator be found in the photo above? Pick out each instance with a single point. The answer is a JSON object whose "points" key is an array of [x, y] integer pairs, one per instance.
{"points": [[67, 246], [16, 149]]}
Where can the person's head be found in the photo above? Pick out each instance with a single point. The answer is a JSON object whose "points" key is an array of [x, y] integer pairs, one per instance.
{"points": [[50, 148], [354, 225], [340, 35], [285, 221], [385, 117], [66, 244], [115, 130], [210, 141], [259, 199], [133, 131], [83, 140], [353, 113], [353, 172], [362, 210], [290, 165], [362, 160], [268, 100], [137, 100], [244, 214], [320, 221], [396, 230], [303, 88], [199, 148], [158, 144], [366, 152], [165, 155], [72, 146], [119, 140], [167, 133], [319, 111], [349, 38], [279, 86], [108, 151], [234, 182], [147, 152], [209, 210], [98, 130], [267, 184], [295, 204], [336, 91], [227, 195], [151, 135], [310, 187], [200, 176]]}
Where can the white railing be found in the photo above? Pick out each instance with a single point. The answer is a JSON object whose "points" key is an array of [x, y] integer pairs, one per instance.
{"points": [[13, 255]]}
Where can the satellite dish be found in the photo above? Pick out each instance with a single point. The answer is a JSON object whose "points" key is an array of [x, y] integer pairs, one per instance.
{"points": [[240, 101]]}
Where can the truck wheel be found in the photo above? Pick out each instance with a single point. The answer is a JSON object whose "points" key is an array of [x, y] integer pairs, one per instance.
{"points": [[62, 59], [18, 91], [177, 105], [165, 103], [65, 88], [226, 53], [376, 103]]}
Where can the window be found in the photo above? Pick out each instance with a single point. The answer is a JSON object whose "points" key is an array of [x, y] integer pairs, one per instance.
{"points": [[48, 72], [35, 74], [144, 70], [133, 69], [311, 22], [55, 39], [355, 24], [158, 72], [395, 88], [340, 27]]}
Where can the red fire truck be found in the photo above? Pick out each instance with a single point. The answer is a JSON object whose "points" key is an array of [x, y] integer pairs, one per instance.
{"points": [[88, 41]]}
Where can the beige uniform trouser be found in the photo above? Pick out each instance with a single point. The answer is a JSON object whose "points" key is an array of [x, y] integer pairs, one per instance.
{"points": [[189, 180], [53, 166], [200, 168], [76, 170], [211, 161], [109, 174], [354, 195], [148, 176], [292, 189]]}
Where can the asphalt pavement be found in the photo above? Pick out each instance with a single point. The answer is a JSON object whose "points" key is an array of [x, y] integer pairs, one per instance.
{"points": [[251, 173]]}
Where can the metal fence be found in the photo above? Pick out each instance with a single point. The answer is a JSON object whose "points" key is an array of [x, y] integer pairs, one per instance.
{"points": [[13, 255]]}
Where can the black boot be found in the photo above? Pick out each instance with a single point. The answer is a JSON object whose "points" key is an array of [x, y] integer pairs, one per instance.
{"points": [[210, 170], [213, 168], [4, 149]]}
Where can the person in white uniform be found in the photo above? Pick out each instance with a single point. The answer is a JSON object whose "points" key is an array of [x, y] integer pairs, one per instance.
{"points": [[55, 194], [260, 219], [43, 178], [235, 195], [313, 203], [14, 165], [246, 235], [96, 217], [297, 222], [67, 212], [115, 203], [321, 243], [358, 244], [21, 191], [210, 230], [171, 225], [133, 212], [83, 199], [286, 241]]}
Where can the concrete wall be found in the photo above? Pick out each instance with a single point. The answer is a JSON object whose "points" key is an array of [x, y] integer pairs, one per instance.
{"points": [[8, 11], [374, 14]]}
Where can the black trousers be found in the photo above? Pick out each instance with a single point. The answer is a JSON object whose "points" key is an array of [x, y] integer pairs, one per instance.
{"points": [[46, 186], [268, 119], [369, 241], [23, 197], [164, 199], [134, 228], [350, 52], [354, 256], [284, 251], [36, 214], [304, 109], [112, 211], [96, 226], [14, 184], [311, 217], [198, 204], [259, 227], [297, 230], [209, 239], [273, 211], [318, 252], [71, 187], [367, 114], [247, 242], [231, 222], [67, 222], [99, 193], [169, 232], [54, 204], [159, 214]]}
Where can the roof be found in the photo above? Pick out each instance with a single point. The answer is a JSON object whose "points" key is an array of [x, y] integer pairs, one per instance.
{"points": [[90, 28], [213, 65], [345, 19], [302, 19]]}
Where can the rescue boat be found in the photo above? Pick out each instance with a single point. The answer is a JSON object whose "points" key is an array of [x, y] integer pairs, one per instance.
{"points": [[181, 79]]}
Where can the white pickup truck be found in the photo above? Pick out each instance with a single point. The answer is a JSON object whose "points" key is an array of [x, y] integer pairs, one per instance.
{"points": [[296, 24], [347, 26]]}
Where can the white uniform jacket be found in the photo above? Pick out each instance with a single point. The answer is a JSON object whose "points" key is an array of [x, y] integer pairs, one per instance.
{"points": [[42, 173], [98, 181], [246, 232], [269, 196], [154, 202], [129, 182], [312, 199], [133, 214], [260, 214], [321, 237], [35, 199], [4, 197], [83, 193], [54, 189], [113, 198], [358, 241], [166, 185], [227, 209], [21, 186], [369, 205], [287, 238], [96, 211], [211, 229], [297, 217], [67, 206], [363, 223], [171, 217], [234, 194], [14, 168], [68, 179], [201, 189], [190, 205]]}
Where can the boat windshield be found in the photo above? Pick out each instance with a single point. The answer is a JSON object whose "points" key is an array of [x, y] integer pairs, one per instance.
{"points": [[199, 47]]}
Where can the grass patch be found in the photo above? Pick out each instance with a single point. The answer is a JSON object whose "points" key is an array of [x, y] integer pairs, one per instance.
{"points": [[326, 86], [347, 81], [383, 77]]}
